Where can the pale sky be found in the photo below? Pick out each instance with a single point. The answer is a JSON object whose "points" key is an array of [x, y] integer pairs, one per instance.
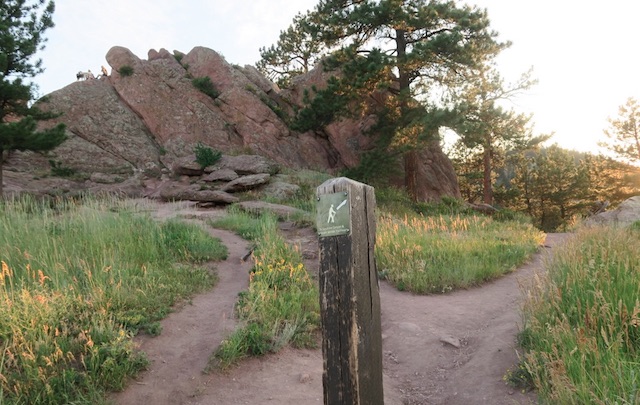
{"points": [[584, 53]]}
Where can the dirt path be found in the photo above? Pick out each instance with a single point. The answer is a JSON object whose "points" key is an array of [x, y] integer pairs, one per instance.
{"points": [[190, 334], [419, 367]]}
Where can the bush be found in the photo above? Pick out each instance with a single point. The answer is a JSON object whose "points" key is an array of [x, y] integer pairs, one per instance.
{"points": [[61, 171], [205, 156], [125, 71], [205, 85], [446, 206]]}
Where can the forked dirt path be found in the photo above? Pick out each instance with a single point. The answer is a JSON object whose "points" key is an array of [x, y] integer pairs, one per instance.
{"points": [[437, 349]]}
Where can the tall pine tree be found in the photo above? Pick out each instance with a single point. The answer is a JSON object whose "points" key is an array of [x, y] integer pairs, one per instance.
{"points": [[410, 49], [486, 126], [624, 132], [22, 27]]}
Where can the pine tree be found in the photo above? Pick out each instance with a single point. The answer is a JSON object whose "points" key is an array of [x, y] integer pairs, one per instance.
{"points": [[553, 185], [295, 53], [22, 26], [485, 125], [410, 49], [624, 132]]}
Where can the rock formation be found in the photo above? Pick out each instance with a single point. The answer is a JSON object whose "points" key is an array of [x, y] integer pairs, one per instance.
{"points": [[627, 213], [135, 130]]}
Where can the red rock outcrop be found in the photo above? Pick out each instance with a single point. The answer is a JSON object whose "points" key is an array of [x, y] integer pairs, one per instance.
{"points": [[148, 116]]}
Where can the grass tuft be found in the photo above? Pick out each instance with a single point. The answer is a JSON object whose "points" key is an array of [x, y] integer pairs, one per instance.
{"points": [[281, 306]]}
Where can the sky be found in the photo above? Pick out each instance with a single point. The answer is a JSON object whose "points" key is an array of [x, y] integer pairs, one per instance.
{"points": [[583, 53]]}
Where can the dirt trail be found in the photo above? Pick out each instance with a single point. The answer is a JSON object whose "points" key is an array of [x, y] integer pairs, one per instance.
{"points": [[190, 334], [419, 367]]}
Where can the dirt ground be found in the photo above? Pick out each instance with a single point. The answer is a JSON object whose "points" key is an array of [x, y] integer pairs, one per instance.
{"points": [[438, 349]]}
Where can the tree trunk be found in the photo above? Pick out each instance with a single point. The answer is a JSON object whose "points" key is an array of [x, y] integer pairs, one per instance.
{"points": [[411, 173], [410, 157], [637, 139], [487, 190], [1, 177]]}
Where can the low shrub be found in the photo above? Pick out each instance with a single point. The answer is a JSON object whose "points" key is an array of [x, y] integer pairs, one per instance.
{"points": [[205, 156], [205, 85], [125, 71]]}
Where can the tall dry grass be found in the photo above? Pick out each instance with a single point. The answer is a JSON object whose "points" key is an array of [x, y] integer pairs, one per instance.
{"points": [[436, 254], [582, 321]]}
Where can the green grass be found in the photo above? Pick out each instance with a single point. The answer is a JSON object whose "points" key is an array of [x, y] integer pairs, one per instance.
{"points": [[78, 280], [247, 226], [582, 321], [281, 306], [440, 253]]}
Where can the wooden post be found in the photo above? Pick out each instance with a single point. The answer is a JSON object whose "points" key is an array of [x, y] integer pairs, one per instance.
{"points": [[349, 294]]}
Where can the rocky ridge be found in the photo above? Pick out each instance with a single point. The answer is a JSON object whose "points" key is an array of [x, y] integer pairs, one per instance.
{"points": [[134, 131]]}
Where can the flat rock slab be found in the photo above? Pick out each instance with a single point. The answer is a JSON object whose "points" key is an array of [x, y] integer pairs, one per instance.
{"points": [[282, 211], [246, 182]]}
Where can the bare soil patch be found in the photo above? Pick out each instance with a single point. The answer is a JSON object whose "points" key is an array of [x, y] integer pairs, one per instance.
{"points": [[439, 349]]}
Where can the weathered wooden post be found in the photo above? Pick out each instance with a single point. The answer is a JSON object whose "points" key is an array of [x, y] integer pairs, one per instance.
{"points": [[349, 294]]}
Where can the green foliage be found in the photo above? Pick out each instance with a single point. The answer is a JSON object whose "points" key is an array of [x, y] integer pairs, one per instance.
{"points": [[126, 70], [295, 53], [321, 110], [446, 206], [378, 165], [440, 253], [444, 41], [506, 215], [394, 201], [624, 132], [78, 280], [21, 37], [190, 243], [554, 187], [485, 127], [281, 306], [279, 111], [582, 321], [247, 226], [205, 85], [305, 197], [58, 170], [205, 156], [519, 377], [178, 56]]}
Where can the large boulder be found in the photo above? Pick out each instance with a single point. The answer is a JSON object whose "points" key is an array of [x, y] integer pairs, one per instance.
{"points": [[625, 214], [160, 92], [437, 175], [104, 135]]}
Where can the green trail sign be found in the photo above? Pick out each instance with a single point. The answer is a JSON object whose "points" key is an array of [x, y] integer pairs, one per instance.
{"points": [[333, 214]]}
